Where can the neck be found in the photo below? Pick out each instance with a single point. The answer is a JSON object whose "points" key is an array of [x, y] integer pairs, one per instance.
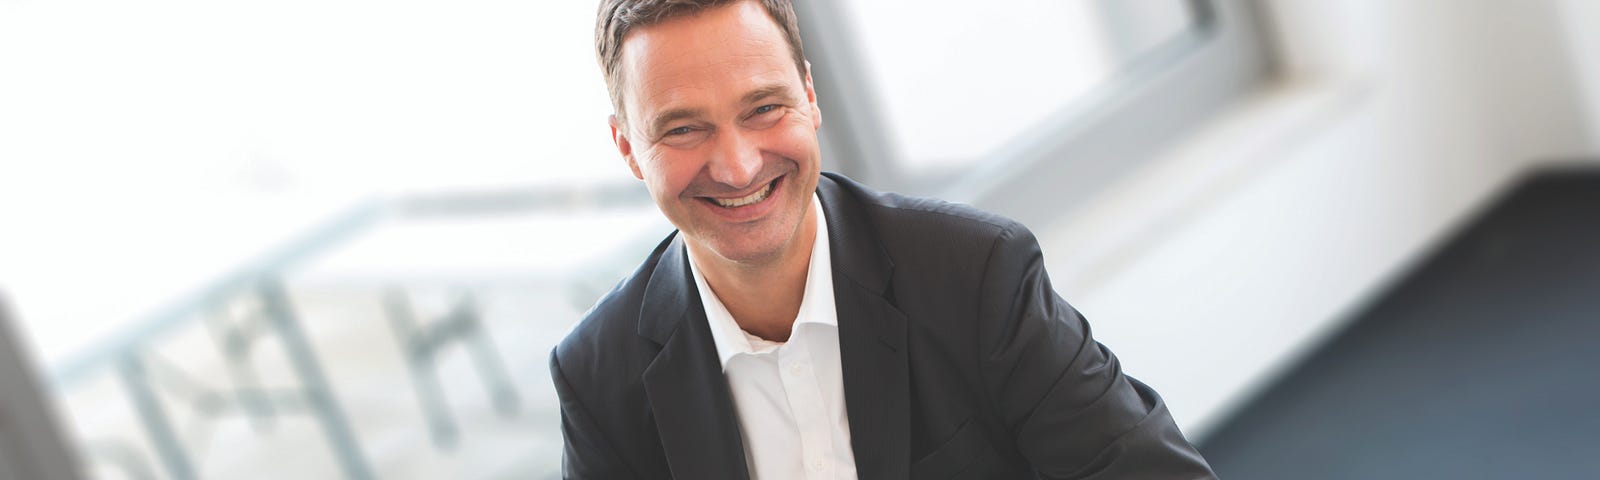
{"points": [[763, 298]]}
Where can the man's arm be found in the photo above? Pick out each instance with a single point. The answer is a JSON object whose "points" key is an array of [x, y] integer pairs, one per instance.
{"points": [[587, 453], [1063, 395]]}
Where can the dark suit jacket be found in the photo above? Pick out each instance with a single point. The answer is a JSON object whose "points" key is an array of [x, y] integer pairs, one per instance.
{"points": [[959, 360]]}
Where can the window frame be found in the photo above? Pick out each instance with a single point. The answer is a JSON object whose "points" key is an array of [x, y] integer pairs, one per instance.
{"points": [[1120, 125]]}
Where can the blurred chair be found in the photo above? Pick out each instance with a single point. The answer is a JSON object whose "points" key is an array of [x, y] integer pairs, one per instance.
{"points": [[267, 314], [31, 444], [423, 342]]}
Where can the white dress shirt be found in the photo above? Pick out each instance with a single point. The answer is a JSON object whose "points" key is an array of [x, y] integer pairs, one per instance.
{"points": [[790, 395]]}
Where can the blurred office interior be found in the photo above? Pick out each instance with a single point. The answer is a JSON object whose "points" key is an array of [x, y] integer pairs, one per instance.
{"points": [[338, 238]]}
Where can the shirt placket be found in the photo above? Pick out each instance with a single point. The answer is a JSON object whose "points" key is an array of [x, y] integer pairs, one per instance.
{"points": [[798, 371]]}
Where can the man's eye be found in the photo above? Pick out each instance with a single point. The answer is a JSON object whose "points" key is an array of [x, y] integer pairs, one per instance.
{"points": [[679, 131], [765, 108]]}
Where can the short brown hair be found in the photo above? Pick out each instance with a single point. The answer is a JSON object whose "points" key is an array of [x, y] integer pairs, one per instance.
{"points": [[618, 17]]}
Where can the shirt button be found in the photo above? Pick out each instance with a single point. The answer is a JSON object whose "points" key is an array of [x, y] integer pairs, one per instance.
{"points": [[817, 464], [797, 368]]}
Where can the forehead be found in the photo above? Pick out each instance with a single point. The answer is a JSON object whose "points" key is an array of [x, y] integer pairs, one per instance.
{"points": [[712, 55]]}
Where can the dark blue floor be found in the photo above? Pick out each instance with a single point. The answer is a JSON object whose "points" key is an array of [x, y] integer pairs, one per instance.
{"points": [[1483, 362]]}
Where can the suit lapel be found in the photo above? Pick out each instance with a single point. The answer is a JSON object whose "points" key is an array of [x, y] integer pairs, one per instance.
{"points": [[688, 394], [872, 340]]}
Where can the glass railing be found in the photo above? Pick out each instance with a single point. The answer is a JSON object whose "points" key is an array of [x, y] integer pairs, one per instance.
{"points": [[406, 338]]}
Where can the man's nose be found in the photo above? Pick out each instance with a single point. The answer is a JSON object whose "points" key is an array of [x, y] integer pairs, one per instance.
{"points": [[736, 161]]}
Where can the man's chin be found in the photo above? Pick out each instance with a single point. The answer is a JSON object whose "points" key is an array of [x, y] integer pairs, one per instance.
{"points": [[748, 255]]}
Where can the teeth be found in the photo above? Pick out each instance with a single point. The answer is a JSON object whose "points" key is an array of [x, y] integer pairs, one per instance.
{"points": [[745, 200]]}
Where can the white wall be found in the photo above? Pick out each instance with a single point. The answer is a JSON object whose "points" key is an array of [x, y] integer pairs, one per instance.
{"points": [[1582, 26], [1216, 267]]}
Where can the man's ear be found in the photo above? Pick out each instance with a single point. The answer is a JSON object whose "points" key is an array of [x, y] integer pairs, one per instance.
{"points": [[619, 136], [811, 97]]}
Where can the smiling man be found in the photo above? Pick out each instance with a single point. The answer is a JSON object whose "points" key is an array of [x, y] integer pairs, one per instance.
{"points": [[801, 325]]}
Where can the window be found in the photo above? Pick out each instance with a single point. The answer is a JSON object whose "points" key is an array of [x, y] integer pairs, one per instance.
{"points": [[957, 80], [196, 134], [1003, 103]]}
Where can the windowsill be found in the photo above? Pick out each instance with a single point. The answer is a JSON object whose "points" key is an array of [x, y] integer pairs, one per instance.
{"points": [[1163, 269]]}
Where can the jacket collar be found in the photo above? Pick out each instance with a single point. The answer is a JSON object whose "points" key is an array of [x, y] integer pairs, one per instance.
{"points": [[689, 396], [693, 409], [872, 334]]}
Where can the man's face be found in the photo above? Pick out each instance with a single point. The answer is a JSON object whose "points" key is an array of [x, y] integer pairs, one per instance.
{"points": [[722, 129]]}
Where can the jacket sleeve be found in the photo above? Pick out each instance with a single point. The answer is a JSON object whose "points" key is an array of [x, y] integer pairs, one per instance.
{"points": [[586, 452], [1062, 394]]}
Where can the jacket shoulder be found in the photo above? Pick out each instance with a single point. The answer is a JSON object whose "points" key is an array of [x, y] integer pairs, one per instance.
{"points": [[909, 225], [605, 341]]}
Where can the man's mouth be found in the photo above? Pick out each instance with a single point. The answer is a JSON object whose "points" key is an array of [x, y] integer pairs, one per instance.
{"points": [[750, 199]]}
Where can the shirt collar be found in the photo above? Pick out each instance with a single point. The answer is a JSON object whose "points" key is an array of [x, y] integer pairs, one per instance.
{"points": [[816, 304]]}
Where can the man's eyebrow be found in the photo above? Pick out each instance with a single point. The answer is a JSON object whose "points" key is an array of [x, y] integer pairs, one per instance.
{"points": [[673, 115], [772, 90]]}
